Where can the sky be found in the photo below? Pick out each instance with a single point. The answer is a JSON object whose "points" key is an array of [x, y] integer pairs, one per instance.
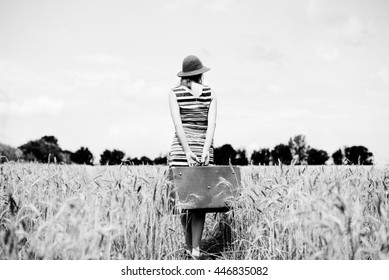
{"points": [[97, 73]]}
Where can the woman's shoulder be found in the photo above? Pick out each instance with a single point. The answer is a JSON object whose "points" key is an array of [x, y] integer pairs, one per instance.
{"points": [[207, 88], [178, 89]]}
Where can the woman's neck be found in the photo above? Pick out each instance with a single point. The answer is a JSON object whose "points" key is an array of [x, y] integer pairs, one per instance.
{"points": [[196, 89]]}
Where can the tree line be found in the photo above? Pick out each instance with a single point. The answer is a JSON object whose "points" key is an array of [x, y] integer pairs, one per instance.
{"points": [[47, 149], [296, 151]]}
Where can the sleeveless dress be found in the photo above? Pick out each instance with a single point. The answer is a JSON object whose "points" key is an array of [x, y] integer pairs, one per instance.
{"points": [[194, 117]]}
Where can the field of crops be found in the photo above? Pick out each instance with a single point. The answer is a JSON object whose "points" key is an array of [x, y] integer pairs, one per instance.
{"points": [[50, 211]]}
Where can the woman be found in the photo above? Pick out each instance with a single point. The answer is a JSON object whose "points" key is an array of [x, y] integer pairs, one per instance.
{"points": [[193, 110]]}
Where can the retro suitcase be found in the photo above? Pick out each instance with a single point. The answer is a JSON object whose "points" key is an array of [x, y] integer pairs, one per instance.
{"points": [[206, 188]]}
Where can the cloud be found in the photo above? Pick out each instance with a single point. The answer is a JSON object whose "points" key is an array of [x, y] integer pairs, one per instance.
{"points": [[214, 6], [327, 53], [383, 75], [312, 8], [265, 54], [374, 93], [342, 22], [354, 32], [275, 88], [98, 58], [115, 78], [22, 81], [134, 86], [325, 13], [224, 6], [171, 5], [42, 105], [14, 76], [120, 83]]}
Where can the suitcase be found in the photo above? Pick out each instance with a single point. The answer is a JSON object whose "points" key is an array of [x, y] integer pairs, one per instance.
{"points": [[206, 188]]}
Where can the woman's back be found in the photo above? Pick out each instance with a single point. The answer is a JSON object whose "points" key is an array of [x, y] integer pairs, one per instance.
{"points": [[194, 108]]}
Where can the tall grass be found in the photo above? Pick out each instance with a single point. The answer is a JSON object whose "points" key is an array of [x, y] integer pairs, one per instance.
{"points": [[285, 212]]}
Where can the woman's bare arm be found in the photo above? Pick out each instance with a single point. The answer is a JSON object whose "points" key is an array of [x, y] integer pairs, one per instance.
{"points": [[175, 113], [211, 125]]}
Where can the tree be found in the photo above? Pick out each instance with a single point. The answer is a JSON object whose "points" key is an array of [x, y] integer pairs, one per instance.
{"points": [[117, 157], [134, 161], [9, 153], [224, 154], [281, 153], [359, 155], [66, 156], [146, 161], [317, 157], [50, 139], [299, 149], [42, 149], [337, 157], [240, 158], [261, 157], [105, 157], [82, 156], [161, 160], [111, 158]]}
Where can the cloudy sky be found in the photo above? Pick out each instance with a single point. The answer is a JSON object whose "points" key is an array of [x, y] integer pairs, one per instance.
{"points": [[98, 73]]}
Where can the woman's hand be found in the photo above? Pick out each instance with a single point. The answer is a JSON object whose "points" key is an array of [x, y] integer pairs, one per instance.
{"points": [[192, 159], [205, 157]]}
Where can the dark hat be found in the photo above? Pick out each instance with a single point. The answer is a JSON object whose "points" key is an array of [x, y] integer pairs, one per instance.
{"points": [[192, 66]]}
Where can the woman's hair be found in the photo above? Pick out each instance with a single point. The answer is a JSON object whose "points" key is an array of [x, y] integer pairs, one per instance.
{"points": [[187, 81]]}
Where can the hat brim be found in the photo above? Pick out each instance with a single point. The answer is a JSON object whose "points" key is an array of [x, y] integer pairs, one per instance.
{"points": [[193, 73]]}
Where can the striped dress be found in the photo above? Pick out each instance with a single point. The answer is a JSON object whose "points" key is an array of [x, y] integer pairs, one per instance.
{"points": [[194, 117]]}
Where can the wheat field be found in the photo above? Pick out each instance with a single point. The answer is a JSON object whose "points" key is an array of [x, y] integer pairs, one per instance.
{"points": [[54, 211]]}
